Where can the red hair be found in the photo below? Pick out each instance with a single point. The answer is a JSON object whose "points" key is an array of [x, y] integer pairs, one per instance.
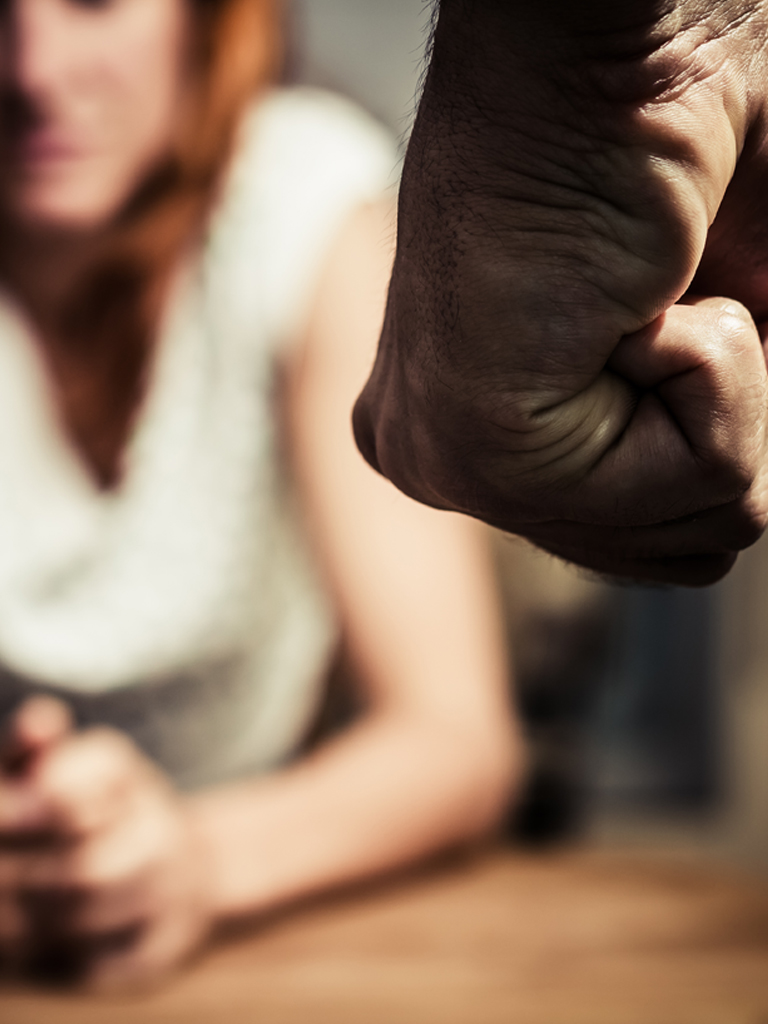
{"points": [[102, 354]]}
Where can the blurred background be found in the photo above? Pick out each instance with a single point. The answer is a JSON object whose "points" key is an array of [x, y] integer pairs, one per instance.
{"points": [[647, 709], [371, 51]]}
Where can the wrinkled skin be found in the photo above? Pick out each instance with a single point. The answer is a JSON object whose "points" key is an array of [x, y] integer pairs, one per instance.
{"points": [[572, 346]]}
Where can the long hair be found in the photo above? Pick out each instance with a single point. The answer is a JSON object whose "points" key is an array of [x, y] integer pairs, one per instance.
{"points": [[102, 355]]}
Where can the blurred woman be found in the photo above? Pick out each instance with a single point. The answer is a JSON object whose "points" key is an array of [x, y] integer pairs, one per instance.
{"points": [[194, 264]]}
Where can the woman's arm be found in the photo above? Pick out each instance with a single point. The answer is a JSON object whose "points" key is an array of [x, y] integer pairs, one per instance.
{"points": [[127, 874], [433, 760]]}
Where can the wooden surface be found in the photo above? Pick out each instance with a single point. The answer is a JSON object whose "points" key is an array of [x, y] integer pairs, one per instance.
{"points": [[570, 938]]}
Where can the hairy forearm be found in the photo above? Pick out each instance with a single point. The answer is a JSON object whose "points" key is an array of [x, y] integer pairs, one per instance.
{"points": [[386, 792], [567, 210]]}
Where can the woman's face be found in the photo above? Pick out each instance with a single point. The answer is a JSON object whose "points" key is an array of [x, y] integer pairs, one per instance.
{"points": [[90, 94]]}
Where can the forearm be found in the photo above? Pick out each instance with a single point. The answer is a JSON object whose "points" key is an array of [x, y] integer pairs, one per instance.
{"points": [[562, 211], [386, 792], [433, 760], [598, 22]]}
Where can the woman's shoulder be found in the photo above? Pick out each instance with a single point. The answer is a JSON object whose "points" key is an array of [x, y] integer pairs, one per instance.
{"points": [[305, 160], [316, 131], [306, 149]]}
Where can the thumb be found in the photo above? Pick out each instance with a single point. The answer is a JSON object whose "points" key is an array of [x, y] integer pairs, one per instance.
{"points": [[705, 362], [32, 730]]}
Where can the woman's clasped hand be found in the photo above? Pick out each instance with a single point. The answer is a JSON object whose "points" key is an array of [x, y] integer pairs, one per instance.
{"points": [[102, 871]]}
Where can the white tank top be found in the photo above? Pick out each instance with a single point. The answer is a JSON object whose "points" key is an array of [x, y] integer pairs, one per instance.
{"points": [[183, 606]]}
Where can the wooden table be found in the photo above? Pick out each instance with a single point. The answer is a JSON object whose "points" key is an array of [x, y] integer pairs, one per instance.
{"points": [[569, 938]]}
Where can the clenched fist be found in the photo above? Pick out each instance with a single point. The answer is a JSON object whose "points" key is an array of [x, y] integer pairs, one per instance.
{"points": [[573, 344]]}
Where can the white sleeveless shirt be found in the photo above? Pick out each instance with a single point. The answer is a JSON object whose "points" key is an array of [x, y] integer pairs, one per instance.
{"points": [[183, 607]]}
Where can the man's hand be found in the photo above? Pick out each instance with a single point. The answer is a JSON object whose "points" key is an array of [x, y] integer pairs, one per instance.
{"points": [[572, 346], [101, 875]]}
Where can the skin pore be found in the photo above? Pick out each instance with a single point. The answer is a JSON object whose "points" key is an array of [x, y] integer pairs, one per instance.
{"points": [[100, 857]]}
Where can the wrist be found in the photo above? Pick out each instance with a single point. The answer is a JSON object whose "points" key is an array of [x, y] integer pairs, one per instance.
{"points": [[205, 840], [599, 49], [238, 875]]}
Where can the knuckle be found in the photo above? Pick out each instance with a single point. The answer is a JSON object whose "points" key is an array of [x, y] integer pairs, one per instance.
{"points": [[89, 873], [365, 434], [419, 460], [728, 319], [751, 522], [734, 476], [95, 760], [697, 570], [736, 347], [736, 317], [730, 455], [109, 743]]}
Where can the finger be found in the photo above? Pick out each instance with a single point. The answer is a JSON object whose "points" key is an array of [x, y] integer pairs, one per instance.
{"points": [[26, 819], [694, 552], [688, 434], [56, 959], [50, 904], [125, 871], [116, 937], [65, 894], [680, 340], [33, 730], [89, 780], [725, 530], [699, 428], [109, 912], [12, 923], [158, 949], [686, 571], [38, 724], [112, 875], [81, 916], [14, 934], [112, 870], [34, 870]]}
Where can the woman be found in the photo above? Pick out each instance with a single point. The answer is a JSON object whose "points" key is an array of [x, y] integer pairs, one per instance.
{"points": [[193, 290]]}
